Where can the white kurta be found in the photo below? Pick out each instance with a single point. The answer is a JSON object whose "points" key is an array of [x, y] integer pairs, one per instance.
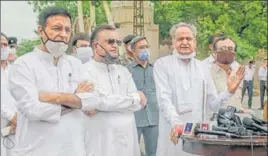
{"points": [[183, 90], [8, 111], [112, 131], [41, 130]]}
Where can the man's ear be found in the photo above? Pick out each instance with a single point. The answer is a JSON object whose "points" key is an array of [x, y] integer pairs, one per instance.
{"points": [[210, 46], [40, 30]]}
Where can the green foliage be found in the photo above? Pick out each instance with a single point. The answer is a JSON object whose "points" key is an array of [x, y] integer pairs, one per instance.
{"points": [[244, 21], [26, 46], [71, 6]]}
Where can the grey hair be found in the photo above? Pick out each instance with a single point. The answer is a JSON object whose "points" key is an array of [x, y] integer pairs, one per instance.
{"points": [[182, 24], [135, 40]]}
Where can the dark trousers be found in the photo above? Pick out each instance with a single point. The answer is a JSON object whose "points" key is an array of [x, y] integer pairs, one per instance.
{"points": [[150, 135], [262, 91], [248, 85]]}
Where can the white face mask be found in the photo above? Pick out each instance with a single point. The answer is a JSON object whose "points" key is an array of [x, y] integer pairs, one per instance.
{"points": [[56, 48], [12, 51], [4, 53], [84, 54], [180, 56]]}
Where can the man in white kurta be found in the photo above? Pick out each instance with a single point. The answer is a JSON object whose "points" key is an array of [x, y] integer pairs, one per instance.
{"points": [[44, 128], [184, 87], [8, 104], [112, 130]]}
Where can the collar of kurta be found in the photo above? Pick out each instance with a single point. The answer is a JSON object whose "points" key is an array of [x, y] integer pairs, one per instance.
{"points": [[46, 56], [134, 64], [101, 64]]}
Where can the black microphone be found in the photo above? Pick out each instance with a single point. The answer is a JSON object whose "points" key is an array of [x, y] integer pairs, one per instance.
{"points": [[249, 122], [258, 120], [229, 135], [226, 122], [241, 131]]}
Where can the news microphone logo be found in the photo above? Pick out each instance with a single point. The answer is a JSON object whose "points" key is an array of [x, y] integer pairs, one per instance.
{"points": [[188, 128], [204, 126]]}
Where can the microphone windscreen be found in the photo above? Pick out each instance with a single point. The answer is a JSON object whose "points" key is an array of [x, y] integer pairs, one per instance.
{"points": [[247, 121], [221, 111], [179, 129]]}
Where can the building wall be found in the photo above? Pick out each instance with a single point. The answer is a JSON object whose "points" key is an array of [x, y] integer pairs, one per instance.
{"points": [[122, 12]]}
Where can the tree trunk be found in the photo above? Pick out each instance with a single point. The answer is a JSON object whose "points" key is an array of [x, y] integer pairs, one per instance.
{"points": [[108, 13], [80, 16], [92, 17]]}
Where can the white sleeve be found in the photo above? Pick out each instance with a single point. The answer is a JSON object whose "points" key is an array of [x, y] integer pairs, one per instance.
{"points": [[6, 101], [164, 94], [23, 88], [214, 99], [100, 100]]}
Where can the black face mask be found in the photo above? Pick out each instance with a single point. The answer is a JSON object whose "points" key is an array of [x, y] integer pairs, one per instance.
{"points": [[225, 57], [108, 58]]}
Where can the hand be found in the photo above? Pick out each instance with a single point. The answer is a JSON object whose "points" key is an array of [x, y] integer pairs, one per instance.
{"points": [[12, 128], [84, 86], [91, 112], [143, 98], [246, 110], [234, 79], [175, 133], [14, 120]]}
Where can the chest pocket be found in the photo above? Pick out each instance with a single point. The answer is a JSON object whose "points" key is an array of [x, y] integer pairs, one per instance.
{"points": [[122, 84]]}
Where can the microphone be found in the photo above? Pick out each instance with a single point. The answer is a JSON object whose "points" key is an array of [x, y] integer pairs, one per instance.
{"points": [[229, 135], [192, 129], [226, 122], [258, 120], [249, 122], [240, 131]]}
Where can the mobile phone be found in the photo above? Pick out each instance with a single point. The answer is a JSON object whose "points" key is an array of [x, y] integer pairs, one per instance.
{"points": [[5, 131]]}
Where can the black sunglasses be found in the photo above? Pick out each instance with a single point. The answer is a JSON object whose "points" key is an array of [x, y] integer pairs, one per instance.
{"points": [[113, 41]]}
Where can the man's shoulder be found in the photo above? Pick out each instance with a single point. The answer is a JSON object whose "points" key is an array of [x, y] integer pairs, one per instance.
{"points": [[163, 59], [27, 58], [74, 60]]}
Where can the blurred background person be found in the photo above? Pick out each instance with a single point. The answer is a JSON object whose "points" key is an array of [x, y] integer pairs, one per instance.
{"points": [[81, 47], [248, 82], [12, 44]]}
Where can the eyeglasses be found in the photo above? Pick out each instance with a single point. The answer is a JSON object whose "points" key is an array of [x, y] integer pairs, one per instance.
{"points": [[113, 41]]}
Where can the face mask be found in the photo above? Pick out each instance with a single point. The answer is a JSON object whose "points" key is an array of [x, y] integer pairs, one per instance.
{"points": [[55, 48], [107, 58], [144, 55], [12, 51], [225, 57], [84, 54], [180, 56], [4, 53]]}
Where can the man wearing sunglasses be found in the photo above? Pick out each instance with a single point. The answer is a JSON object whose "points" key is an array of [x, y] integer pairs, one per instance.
{"points": [[81, 47], [112, 130]]}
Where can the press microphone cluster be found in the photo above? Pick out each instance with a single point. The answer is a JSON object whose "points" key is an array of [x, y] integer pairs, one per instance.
{"points": [[229, 121], [230, 125]]}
